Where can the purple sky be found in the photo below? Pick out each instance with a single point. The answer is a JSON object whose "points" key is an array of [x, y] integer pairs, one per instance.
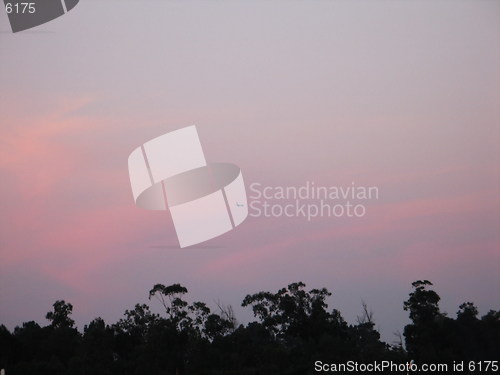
{"points": [[399, 95]]}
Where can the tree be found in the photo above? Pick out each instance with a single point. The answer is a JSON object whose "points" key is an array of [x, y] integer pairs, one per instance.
{"points": [[171, 299], [131, 338], [468, 312], [8, 344], [183, 326], [490, 334], [60, 316], [294, 328], [423, 303], [137, 321], [424, 337], [30, 338], [289, 311], [366, 337], [97, 347], [299, 322]]}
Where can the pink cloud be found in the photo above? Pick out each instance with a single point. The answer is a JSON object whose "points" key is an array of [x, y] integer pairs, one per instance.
{"points": [[400, 221]]}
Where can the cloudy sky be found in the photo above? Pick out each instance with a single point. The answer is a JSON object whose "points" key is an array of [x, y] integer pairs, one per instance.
{"points": [[402, 95]]}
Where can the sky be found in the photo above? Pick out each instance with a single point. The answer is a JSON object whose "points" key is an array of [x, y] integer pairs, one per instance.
{"points": [[401, 95]]}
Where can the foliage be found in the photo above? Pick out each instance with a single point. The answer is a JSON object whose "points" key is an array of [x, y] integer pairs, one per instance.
{"points": [[294, 328]]}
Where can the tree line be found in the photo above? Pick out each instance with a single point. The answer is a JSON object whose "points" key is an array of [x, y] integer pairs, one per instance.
{"points": [[294, 327]]}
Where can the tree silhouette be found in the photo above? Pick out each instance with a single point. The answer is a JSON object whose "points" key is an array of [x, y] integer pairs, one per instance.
{"points": [[433, 337], [59, 318], [294, 328]]}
